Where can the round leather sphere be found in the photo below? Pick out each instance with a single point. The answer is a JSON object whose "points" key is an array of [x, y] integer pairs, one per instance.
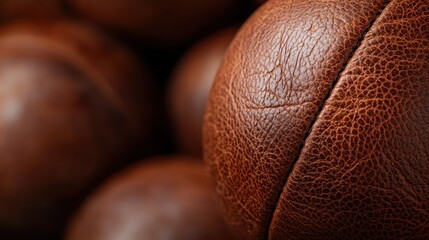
{"points": [[190, 86], [317, 124], [164, 23], [166, 198], [72, 102]]}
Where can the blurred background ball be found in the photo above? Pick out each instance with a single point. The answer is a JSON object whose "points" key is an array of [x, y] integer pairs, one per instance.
{"points": [[72, 103], [163, 23], [190, 86], [10, 9], [167, 199]]}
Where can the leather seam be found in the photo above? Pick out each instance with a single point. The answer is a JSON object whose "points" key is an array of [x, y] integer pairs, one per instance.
{"points": [[321, 107]]}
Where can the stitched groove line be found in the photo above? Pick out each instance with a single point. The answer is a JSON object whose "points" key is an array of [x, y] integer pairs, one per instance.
{"points": [[324, 101]]}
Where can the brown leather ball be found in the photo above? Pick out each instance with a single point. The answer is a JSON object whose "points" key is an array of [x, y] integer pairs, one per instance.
{"points": [[190, 86], [317, 125], [72, 103], [167, 198], [164, 23]]}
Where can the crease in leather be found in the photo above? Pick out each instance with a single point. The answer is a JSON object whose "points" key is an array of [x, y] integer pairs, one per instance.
{"points": [[310, 128]]}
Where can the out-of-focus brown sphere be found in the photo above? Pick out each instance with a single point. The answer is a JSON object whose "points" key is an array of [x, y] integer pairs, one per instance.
{"points": [[165, 23], [71, 103], [30, 9], [190, 86], [169, 198]]}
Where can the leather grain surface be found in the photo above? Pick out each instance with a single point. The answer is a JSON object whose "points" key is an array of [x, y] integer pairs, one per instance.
{"points": [[325, 104], [363, 171]]}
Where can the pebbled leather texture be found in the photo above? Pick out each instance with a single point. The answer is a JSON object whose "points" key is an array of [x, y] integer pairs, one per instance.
{"points": [[317, 126]]}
